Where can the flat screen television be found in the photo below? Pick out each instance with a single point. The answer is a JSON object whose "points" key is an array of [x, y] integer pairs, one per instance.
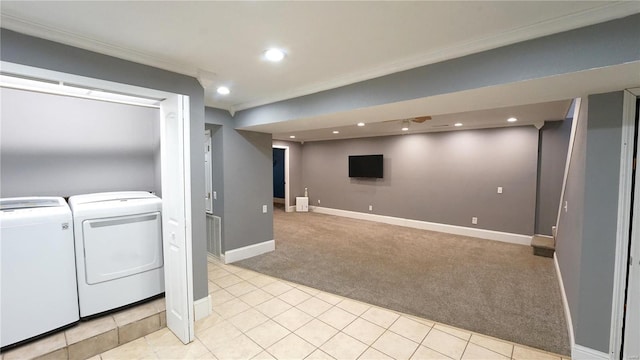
{"points": [[365, 166]]}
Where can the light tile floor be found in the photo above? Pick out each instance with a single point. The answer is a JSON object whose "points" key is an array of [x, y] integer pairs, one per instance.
{"points": [[260, 317]]}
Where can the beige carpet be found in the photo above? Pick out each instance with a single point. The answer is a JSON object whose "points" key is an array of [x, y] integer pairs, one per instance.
{"points": [[484, 286]]}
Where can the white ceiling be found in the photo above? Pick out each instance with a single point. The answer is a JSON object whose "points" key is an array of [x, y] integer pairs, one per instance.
{"points": [[328, 44], [532, 114]]}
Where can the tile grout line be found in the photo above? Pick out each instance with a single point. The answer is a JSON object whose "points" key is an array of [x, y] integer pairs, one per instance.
{"points": [[319, 292]]}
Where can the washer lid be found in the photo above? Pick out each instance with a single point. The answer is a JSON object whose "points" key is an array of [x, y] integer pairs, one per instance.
{"points": [[30, 202], [109, 196]]}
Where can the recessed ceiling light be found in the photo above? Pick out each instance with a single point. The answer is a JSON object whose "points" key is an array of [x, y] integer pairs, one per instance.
{"points": [[336, 132], [360, 124], [457, 124], [404, 128], [292, 136], [223, 90], [405, 125], [274, 55], [512, 119]]}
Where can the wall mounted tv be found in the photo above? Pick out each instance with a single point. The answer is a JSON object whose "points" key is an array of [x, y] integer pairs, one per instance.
{"points": [[365, 166]]}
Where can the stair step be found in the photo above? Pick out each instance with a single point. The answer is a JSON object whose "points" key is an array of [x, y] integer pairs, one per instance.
{"points": [[543, 245]]}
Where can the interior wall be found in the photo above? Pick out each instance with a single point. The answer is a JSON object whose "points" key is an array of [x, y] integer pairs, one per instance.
{"points": [[248, 185], [552, 156], [217, 178], [569, 232], [217, 172], [296, 187], [587, 229], [31, 51], [53, 145], [604, 140], [446, 177]]}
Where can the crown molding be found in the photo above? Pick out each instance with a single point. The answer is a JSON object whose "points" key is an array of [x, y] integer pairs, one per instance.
{"points": [[31, 28], [592, 16]]}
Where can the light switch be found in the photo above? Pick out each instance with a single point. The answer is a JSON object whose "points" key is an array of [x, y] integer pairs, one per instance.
{"points": [[215, 195], [499, 189], [264, 209]]}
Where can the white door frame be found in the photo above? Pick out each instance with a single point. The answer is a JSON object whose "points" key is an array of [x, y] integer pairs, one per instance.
{"points": [[622, 233], [632, 322], [287, 206], [20, 69]]}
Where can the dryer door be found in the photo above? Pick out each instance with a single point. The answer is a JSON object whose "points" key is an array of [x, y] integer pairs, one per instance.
{"points": [[121, 246]]}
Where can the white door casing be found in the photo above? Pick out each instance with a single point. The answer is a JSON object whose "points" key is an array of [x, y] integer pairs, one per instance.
{"points": [[176, 215], [631, 334]]}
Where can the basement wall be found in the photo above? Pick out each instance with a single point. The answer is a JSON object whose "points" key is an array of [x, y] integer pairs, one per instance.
{"points": [[243, 181], [446, 177], [53, 145], [586, 240]]}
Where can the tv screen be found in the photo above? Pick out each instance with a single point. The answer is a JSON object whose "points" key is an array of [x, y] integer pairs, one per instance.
{"points": [[365, 166]]}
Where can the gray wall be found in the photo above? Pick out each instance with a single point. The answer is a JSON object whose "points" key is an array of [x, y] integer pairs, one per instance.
{"points": [[587, 230], [552, 156], [610, 43], [217, 171], [569, 235], [296, 187], [445, 177], [247, 183], [62, 146], [217, 179], [23, 49]]}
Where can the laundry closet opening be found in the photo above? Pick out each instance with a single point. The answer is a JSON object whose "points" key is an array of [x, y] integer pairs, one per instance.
{"points": [[55, 143]]}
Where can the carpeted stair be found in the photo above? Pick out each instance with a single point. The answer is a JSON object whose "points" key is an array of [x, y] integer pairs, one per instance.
{"points": [[543, 245]]}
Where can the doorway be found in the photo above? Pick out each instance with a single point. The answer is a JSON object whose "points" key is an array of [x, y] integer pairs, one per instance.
{"points": [[175, 178], [278, 175], [281, 177]]}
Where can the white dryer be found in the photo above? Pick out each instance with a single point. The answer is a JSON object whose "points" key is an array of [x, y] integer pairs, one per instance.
{"points": [[38, 285], [118, 238]]}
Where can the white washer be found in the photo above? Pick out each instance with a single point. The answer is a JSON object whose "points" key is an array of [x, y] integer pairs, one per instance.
{"points": [[38, 268], [118, 238]]}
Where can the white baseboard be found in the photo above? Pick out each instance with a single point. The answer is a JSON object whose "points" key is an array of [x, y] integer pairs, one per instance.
{"points": [[579, 352], [249, 251], [202, 308], [565, 303], [291, 208], [424, 225]]}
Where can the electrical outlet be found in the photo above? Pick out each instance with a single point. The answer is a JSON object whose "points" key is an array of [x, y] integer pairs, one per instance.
{"points": [[264, 209], [318, 201], [370, 207], [474, 220], [215, 195]]}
